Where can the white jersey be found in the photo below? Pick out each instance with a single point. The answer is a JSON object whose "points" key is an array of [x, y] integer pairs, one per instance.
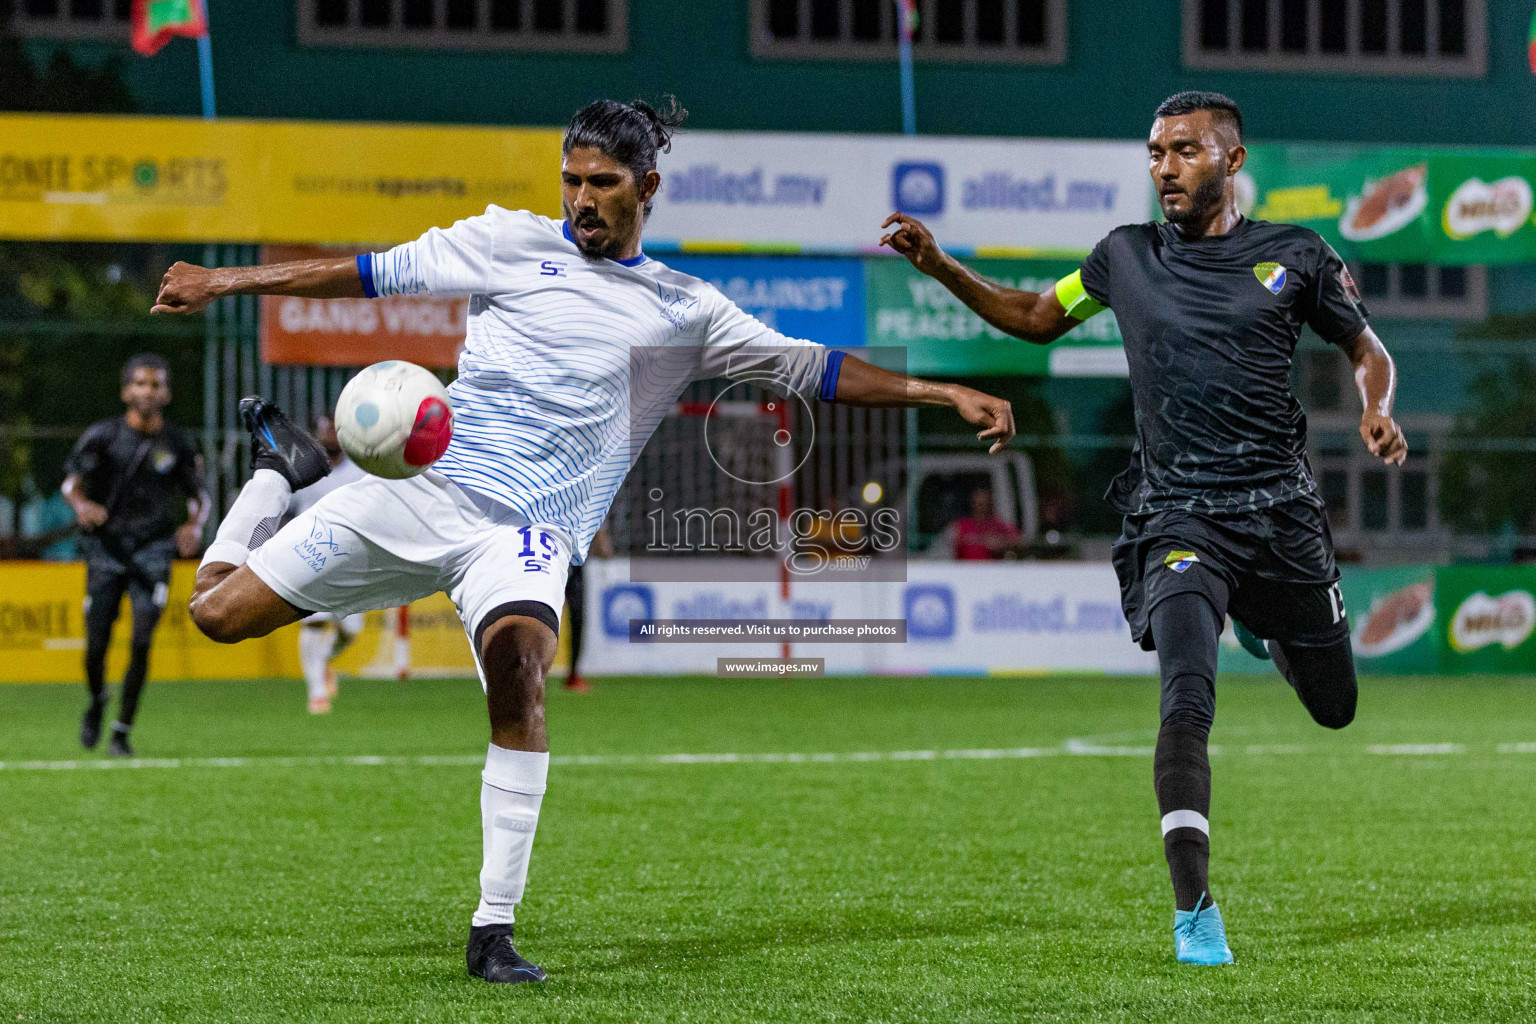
{"points": [[570, 363], [344, 472]]}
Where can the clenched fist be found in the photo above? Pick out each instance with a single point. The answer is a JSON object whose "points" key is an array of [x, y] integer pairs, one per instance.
{"points": [[185, 289], [1384, 438]]}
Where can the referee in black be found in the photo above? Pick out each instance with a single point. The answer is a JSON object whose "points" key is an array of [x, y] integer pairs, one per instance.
{"points": [[1221, 510], [136, 485]]}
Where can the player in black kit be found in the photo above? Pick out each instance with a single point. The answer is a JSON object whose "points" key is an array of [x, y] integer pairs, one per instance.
{"points": [[1221, 510], [126, 479]]}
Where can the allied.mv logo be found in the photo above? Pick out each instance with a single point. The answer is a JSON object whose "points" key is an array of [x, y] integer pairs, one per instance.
{"points": [[1271, 276], [918, 188]]}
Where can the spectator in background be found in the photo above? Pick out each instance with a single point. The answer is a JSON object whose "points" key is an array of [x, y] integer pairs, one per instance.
{"points": [[136, 485], [982, 535]]}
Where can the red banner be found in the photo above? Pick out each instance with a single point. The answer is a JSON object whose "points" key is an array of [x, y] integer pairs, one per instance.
{"points": [[356, 332]]}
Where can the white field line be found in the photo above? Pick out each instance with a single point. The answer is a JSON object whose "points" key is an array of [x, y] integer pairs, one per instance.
{"points": [[1416, 749], [1071, 748]]}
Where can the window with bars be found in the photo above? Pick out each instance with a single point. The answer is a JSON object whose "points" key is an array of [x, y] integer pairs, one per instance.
{"points": [[586, 26], [1419, 290], [1013, 31], [1445, 38], [71, 19]]}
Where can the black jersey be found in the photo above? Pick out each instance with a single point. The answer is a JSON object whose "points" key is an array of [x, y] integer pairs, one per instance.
{"points": [[1210, 327], [143, 479]]}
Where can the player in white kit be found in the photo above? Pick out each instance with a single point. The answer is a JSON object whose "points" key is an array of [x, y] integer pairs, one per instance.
{"points": [[324, 635], [577, 345]]}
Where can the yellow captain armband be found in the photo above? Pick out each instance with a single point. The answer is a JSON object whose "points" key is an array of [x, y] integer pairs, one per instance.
{"points": [[1077, 302]]}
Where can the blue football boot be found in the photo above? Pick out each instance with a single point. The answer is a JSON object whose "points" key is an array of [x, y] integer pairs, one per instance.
{"points": [[1199, 937]]}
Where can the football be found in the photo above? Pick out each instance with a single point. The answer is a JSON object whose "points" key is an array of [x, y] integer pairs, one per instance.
{"points": [[393, 419]]}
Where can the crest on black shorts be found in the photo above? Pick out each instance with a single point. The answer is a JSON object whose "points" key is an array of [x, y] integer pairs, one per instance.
{"points": [[1178, 561]]}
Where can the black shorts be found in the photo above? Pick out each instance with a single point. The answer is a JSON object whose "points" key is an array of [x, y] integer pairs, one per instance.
{"points": [[123, 562], [1273, 570]]}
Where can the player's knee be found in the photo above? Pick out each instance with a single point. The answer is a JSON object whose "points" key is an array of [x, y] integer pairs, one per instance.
{"points": [[218, 618], [1324, 679], [1338, 709], [516, 652], [1335, 718]]}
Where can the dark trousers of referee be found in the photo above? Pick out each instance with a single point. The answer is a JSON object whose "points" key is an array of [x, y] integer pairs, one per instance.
{"points": [[143, 573], [576, 615]]}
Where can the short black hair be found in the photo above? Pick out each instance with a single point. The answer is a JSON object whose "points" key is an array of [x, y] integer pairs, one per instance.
{"points": [[631, 133], [1194, 99], [145, 360]]}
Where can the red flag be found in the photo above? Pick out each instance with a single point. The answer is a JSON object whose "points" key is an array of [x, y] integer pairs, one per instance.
{"points": [[156, 22]]}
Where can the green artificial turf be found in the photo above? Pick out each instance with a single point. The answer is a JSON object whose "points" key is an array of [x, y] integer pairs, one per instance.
{"points": [[1356, 885]]}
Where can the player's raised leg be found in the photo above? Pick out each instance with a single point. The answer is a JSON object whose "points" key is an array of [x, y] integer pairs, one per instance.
{"points": [[229, 602], [1323, 676], [1311, 645]]}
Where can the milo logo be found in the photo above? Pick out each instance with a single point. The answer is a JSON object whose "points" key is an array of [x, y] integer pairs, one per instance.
{"points": [[1477, 206], [1482, 620]]}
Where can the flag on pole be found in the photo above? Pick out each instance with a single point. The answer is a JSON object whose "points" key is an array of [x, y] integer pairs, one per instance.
{"points": [[906, 27], [157, 22], [1531, 43]]}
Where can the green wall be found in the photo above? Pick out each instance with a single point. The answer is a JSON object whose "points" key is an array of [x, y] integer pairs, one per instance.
{"points": [[1123, 57]]}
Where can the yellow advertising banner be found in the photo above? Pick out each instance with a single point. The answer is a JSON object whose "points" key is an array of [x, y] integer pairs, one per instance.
{"points": [[75, 177], [42, 636]]}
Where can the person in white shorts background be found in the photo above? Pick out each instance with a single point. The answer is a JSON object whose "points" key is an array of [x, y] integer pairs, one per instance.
{"points": [[577, 346], [324, 635]]}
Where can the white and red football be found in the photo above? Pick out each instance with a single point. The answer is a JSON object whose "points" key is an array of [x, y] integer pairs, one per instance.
{"points": [[393, 419]]}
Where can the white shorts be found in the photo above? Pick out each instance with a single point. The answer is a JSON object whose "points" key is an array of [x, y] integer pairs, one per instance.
{"points": [[379, 543]]}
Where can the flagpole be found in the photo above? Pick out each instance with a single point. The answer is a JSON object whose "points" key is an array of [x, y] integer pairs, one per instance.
{"points": [[906, 10], [205, 71]]}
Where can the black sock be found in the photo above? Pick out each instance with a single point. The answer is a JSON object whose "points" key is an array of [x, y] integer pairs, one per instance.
{"points": [[98, 636], [1182, 777], [133, 685], [1186, 628], [1323, 677]]}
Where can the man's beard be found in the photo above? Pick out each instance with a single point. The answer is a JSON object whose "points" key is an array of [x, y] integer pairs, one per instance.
{"points": [[1207, 196], [607, 250]]}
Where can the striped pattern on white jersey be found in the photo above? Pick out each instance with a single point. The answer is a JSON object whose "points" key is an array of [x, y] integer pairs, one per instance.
{"points": [[570, 364]]}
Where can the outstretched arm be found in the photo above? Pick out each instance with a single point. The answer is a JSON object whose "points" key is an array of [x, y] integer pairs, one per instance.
{"points": [[1376, 380], [188, 289], [1038, 317], [859, 383]]}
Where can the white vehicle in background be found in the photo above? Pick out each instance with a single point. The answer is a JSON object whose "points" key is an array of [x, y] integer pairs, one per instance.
{"points": [[943, 485]]}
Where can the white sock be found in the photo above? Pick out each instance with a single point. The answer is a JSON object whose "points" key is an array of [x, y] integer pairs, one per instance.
{"points": [[254, 517], [315, 646], [511, 789]]}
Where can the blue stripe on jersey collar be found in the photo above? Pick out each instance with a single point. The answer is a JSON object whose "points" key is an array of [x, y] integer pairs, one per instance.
{"points": [[633, 261]]}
